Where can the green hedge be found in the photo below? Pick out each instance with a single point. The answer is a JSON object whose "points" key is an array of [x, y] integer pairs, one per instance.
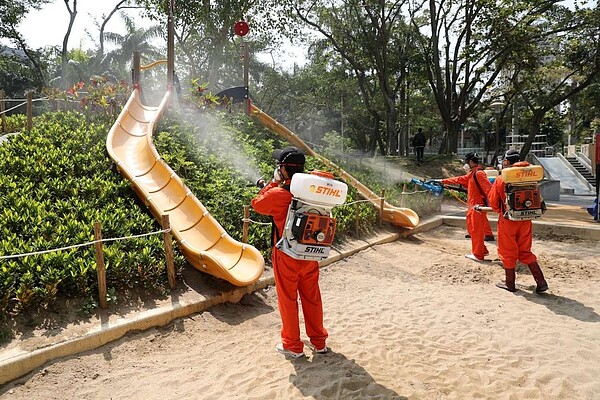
{"points": [[57, 180]]}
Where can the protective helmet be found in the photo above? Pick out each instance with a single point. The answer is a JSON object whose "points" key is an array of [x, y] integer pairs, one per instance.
{"points": [[289, 156], [512, 156], [471, 156]]}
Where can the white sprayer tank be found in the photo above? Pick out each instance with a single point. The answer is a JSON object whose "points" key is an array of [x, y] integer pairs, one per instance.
{"points": [[318, 187]]}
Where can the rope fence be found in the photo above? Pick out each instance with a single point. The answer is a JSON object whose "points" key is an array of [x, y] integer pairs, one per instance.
{"points": [[28, 102], [247, 220], [75, 246], [166, 231], [99, 254]]}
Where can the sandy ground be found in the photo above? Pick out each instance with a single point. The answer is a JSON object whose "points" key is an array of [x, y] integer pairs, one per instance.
{"points": [[411, 319]]}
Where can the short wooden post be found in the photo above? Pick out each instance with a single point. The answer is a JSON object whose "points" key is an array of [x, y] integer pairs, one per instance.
{"points": [[402, 195], [246, 223], [2, 109], [356, 214], [29, 110], [381, 207], [166, 225], [101, 271]]}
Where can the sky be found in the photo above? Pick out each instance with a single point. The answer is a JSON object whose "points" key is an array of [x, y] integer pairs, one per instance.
{"points": [[48, 26], [39, 33]]}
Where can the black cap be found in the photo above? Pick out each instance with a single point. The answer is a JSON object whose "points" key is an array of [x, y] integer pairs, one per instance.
{"points": [[512, 156], [289, 156], [472, 156]]}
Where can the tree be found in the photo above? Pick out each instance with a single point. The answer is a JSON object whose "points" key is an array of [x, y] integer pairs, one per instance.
{"points": [[563, 58], [121, 5], [12, 13], [372, 40], [64, 52], [134, 39], [466, 44], [205, 37]]}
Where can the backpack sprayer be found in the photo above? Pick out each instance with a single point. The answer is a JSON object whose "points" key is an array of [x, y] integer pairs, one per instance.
{"points": [[309, 226]]}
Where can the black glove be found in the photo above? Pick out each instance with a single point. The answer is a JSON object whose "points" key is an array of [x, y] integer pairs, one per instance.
{"points": [[260, 183]]}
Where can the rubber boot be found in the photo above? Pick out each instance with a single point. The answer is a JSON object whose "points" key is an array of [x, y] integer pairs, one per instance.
{"points": [[538, 275], [509, 283]]}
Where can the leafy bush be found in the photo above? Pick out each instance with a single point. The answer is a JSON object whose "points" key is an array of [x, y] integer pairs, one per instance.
{"points": [[57, 180]]}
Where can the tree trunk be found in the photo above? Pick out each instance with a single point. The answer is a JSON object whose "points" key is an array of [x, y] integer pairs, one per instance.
{"points": [[65, 49], [534, 130]]}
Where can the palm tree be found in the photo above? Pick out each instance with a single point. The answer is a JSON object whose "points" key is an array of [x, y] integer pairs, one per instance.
{"points": [[135, 39]]}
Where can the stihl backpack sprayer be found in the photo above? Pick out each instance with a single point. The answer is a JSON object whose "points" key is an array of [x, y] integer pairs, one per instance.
{"points": [[523, 198], [309, 225]]}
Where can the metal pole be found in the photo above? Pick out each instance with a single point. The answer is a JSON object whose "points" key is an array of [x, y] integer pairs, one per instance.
{"points": [[171, 47], [246, 77], [100, 268], [342, 121], [135, 76]]}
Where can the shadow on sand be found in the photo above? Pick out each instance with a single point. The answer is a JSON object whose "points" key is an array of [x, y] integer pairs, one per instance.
{"points": [[333, 376], [563, 306]]}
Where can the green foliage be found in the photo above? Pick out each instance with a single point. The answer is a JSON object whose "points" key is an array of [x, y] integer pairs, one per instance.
{"points": [[16, 76], [55, 182]]}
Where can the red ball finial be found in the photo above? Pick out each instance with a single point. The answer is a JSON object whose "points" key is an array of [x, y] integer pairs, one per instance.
{"points": [[241, 28]]}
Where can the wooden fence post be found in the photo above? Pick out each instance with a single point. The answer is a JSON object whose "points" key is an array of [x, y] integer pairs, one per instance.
{"points": [[101, 272], [381, 207], [2, 109], [246, 223], [29, 111], [356, 214], [402, 195], [166, 225]]}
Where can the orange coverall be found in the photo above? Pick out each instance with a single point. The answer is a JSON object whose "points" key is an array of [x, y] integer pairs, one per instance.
{"points": [[292, 277], [477, 222], [514, 237]]}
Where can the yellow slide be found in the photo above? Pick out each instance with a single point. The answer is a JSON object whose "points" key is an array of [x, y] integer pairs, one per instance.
{"points": [[403, 217], [202, 240]]}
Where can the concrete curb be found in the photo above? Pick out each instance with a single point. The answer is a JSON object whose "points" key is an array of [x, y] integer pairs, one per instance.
{"points": [[21, 364]]}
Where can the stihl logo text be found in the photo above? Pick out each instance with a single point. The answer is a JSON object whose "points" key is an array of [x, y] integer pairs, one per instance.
{"points": [[327, 191], [318, 250], [526, 174]]}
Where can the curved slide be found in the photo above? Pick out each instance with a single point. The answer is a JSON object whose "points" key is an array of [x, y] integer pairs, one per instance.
{"points": [[403, 217], [202, 240]]}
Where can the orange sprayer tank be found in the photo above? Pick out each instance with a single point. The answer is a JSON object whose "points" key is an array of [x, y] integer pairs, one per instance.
{"points": [[531, 173]]}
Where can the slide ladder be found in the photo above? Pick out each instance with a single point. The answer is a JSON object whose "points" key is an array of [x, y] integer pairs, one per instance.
{"points": [[202, 240]]}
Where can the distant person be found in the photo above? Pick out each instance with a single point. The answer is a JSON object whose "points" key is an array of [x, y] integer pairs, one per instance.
{"points": [[293, 277], [514, 237], [418, 142], [478, 186]]}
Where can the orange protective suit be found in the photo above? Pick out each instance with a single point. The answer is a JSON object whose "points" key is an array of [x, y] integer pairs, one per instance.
{"points": [[514, 237], [292, 277], [477, 222]]}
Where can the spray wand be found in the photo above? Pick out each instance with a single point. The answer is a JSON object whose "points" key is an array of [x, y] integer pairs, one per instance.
{"points": [[435, 187]]}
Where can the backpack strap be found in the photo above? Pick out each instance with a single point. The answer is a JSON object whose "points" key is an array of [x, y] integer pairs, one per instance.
{"points": [[275, 235], [485, 199]]}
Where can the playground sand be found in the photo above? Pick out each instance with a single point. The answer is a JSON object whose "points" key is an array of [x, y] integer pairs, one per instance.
{"points": [[411, 319]]}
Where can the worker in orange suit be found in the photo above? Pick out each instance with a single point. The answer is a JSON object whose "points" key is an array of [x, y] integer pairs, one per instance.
{"points": [[293, 277], [514, 237], [478, 186]]}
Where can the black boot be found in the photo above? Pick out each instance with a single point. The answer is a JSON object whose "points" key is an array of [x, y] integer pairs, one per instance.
{"points": [[509, 283], [538, 275]]}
